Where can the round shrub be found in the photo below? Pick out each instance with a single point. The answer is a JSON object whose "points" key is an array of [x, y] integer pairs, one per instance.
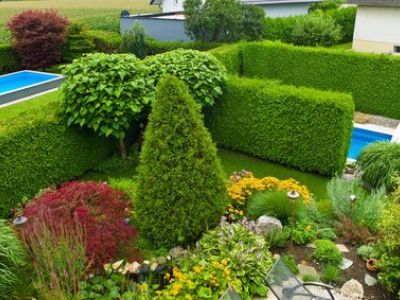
{"points": [[38, 36], [379, 163], [77, 42], [106, 93], [99, 209], [327, 252], [12, 259], [181, 189], [201, 72], [316, 29]]}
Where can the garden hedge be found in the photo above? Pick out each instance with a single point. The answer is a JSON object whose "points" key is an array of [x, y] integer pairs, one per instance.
{"points": [[298, 127], [9, 61], [37, 150], [372, 79], [230, 56], [157, 47]]}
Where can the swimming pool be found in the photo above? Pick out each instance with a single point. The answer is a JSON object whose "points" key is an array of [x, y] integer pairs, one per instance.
{"points": [[22, 84], [362, 137]]}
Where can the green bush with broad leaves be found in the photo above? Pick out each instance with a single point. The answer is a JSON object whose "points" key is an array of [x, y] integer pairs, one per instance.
{"points": [[303, 232], [316, 29], [201, 72], [389, 263], [13, 261], [106, 93], [181, 190], [326, 252], [380, 163], [300, 127]]}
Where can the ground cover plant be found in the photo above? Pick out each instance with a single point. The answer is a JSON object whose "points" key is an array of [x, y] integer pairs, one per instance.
{"points": [[38, 36], [191, 189]]}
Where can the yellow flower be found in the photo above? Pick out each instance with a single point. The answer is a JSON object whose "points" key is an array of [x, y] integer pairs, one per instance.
{"points": [[197, 269], [188, 297], [167, 276], [143, 287], [176, 287], [177, 273], [224, 261]]}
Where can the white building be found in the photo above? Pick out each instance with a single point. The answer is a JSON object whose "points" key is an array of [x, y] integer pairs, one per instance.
{"points": [[377, 27], [272, 8]]}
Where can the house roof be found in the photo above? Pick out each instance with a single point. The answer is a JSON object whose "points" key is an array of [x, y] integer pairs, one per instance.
{"points": [[158, 2], [375, 2]]}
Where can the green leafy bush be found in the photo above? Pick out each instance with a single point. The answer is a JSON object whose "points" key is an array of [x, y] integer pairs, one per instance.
{"points": [[300, 127], [106, 93], [252, 22], [180, 177], [77, 43], [367, 208], [277, 238], [37, 150], [201, 72], [13, 260], [330, 274], [345, 18], [9, 60], [279, 29], [327, 233], [389, 263], [303, 232], [316, 30], [126, 185], [157, 47], [291, 263], [133, 40], [326, 5], [327, 252], [105, 41], [380, 163], [375, 90]]}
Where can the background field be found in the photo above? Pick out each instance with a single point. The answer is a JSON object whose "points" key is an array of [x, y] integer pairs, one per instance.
{"points": [[73, 9]]}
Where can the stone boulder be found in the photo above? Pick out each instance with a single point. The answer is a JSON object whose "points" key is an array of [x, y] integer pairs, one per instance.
{"points": [[266, 224]]}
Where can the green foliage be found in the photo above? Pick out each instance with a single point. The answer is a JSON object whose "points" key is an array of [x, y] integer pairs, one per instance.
{"points": [[303, 232], [326, 5], [345, 18], [277, 238], [327, 233], [310, 278], [389, 263], [77, 43], [105, 41], [374, 91], [272, 203], [230, 57], [105, 23], [126, 185], [291, 263], [368, 207], [9, 60], [330, 274], [133, 40], [37, 150], [279, 29], [299, 127], [157, 47], [105, 93], [180, 177], [380, 163], [327, 252], [13, 260], [204, 75], [368, 251], [116, 164], [223, 20], [316, 30]]}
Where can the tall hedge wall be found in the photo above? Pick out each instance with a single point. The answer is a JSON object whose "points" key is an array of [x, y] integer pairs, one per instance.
{"points": [[9, 61], [372, 79], [299, 127], [36, 150]]}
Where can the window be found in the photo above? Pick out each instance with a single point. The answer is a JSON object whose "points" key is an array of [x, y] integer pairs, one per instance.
{"points": [[396, 49]]}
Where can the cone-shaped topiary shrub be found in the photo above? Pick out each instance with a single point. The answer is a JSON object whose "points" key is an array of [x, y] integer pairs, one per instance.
{"points": [[181, 190]]}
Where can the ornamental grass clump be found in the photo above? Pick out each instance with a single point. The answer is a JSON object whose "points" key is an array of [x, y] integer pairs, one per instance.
{"points": [[181, 188]]}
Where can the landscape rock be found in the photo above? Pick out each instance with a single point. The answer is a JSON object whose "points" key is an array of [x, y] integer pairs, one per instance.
{"points": [[352, 289], [153, 266], [266, 224], [177, 252], [161, 260], [345, 264], [370, 280], [307, 270], [342, 248]]}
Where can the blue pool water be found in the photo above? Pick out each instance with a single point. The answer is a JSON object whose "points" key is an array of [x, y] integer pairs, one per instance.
{"points": [[23, 79], [363, 137]]}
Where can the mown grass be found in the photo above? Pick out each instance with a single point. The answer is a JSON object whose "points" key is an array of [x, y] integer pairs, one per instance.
{"points": [[73, 9]]}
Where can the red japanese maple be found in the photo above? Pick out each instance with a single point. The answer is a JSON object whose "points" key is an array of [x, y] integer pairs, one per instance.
{"points": [[100, 210], [38, 37]]}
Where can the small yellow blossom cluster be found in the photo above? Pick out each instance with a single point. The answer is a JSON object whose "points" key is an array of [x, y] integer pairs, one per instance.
{"points": [[240, 189]]}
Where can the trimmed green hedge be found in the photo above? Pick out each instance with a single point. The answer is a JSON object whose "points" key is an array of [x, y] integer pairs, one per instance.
{"points": [[372, 79], [299, 127], [36, 150], [9, 61], [230, 56], [105, 41], [157, 47]]}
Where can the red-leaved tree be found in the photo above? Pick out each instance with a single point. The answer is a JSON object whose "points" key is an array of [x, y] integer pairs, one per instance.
{"points": [[38, 36], [96, 207]]}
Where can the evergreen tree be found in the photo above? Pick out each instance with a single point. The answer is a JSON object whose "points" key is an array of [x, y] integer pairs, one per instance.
{"points": [[181, 189]]}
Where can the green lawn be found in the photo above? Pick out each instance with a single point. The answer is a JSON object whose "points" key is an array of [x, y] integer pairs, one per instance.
{"points": [[346, 46]]}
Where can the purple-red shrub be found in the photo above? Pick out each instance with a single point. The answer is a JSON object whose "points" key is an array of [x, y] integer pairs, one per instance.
{"points": [[100, 210], [38, 36]]}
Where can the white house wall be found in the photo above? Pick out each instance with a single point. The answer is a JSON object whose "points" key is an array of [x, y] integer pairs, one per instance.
{"points": [[172, 6], [377, 29], [285, 10]]}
